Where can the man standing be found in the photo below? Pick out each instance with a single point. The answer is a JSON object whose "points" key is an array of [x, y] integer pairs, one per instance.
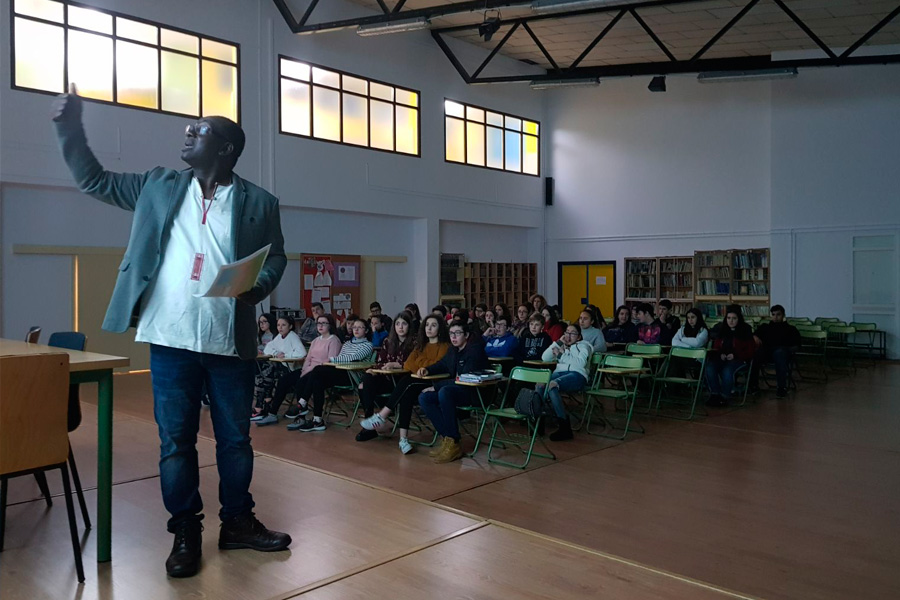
{"points": [[776, 342], [186, 225]]}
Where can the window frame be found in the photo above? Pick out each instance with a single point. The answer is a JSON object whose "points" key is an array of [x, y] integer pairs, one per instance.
{"points": [[158, 47], [503, 130], [368, 97]]}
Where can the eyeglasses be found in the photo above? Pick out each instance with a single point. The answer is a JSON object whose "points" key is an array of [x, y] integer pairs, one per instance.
{"points": [[322, 323], [457, 333], [571, 333], [358, 328], [200, 130]]}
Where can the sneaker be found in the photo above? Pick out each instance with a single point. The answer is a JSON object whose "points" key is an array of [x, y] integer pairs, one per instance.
{"points": [[372, 423], [405, 446], [451, 451], [781, 393], [269, 419], [246, 531], [564, 432], [295, 425], [292, 412], [184, 560], [311, 425], [258, 417], [366, 434], [438, 448]]}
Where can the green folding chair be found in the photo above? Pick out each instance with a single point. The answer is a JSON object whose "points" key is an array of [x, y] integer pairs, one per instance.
{"points": [[813, 348], [335, 403], [477, 410], [839, 344], [614, 365], [693, 385], [742, 382], [655, 367], [820, 320], [523, 375], [865, 332], [808, 327], [581, 403]]}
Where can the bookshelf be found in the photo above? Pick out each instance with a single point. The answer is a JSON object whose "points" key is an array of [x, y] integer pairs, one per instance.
{"points": [[650, 279], [724, 277], [504, 283], [452, 279]]}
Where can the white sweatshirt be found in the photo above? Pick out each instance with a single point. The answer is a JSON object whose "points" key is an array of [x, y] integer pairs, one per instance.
{"points": [[680, 341], [290, 345], [574, 358]]}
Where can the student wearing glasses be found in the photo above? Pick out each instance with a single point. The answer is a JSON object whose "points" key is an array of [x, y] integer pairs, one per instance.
{"points": [[572, 355], [520, 325], [356, 349], [322, 349], [499, 341], [440, 400]]}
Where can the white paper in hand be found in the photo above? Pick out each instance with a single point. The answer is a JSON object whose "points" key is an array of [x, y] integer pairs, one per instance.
{"points": [[234, 279]]}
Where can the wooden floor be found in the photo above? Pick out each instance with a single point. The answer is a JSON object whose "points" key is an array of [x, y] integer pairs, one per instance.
{"points": [[785, 499]]}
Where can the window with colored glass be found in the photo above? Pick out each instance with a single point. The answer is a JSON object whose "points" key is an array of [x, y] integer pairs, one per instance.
{"points": [[122, 60], [482, 137], [327, 104]]}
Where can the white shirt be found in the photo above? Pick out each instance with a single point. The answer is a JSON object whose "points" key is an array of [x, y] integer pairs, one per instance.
{"points": [[170, 314], [290, 345]]}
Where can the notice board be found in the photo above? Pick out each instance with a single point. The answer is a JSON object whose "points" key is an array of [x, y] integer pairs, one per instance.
{"points": [[333, 280]]}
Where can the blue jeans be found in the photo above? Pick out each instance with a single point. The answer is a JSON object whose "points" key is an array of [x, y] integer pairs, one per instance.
{"points": [[724, 369], [566, 381], [178, 377], [440, 408]]}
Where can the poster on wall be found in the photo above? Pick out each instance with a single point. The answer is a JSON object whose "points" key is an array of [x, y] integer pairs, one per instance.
{"points": [[333, 280]]}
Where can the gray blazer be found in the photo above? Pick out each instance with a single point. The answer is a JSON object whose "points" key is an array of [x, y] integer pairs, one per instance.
{"points": [[154, 198]]}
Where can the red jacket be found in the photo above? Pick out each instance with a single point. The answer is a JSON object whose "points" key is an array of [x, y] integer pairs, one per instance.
{"points": [[555, 332], [743, 349]]}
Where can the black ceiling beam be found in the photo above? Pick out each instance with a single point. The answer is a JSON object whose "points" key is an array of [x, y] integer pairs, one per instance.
{"points": [[724, 30], [652, 35], [496, 49], [597, 39], [451, 57], [383, 7], [805, 28], [541, 47], [890, 17], [398, 6], [742, 63]]}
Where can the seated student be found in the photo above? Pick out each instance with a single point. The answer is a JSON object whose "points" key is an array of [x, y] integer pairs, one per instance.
{"points": [[572, 356], [693, 334], [499, 340], [650, 329], [502, 309], [777, 341], [413, 309], [265, 331], [621, 330], [454, 310], [552, 326], [733, 347], [440, 310], [535, 340], [320, 351], [284, 345], [308, 331], [599, 321], [520, 324], [379, 330], [321, 378], [538, 303], [669, 322], [589, 323], [634, 315], [375, 311], [441, 399], [475, 334], [479, 319], [431, 346], [393, 353], [345, 333]]}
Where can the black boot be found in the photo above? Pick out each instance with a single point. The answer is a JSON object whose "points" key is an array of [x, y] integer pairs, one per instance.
{"points": [[564, 432], [246, 531], [184, 560]]}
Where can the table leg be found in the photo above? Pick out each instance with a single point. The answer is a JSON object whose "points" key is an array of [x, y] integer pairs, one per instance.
{"points": [[104, 467]]}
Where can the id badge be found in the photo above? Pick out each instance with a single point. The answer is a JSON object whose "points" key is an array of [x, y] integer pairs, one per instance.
{"points": [[197, 267]]}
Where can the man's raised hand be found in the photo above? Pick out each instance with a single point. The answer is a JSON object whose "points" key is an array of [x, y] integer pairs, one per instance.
{"points": [[67, 107]]}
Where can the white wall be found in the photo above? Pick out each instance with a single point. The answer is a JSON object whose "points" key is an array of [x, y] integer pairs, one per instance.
{"points": [[800, 166], [389, 204]]}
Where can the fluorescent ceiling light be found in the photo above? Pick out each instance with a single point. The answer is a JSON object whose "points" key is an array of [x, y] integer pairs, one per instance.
{"points": [[546, 84], [400, 26], [552, 6], [759, 75]]}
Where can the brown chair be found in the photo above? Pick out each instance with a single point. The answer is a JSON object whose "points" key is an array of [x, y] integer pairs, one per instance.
{"points": [[28, 444]]}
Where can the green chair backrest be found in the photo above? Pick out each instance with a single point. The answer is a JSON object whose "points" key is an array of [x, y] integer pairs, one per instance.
{"points": [[623, 362], [796, 320], [842, 330], [829, 325], [864, 326], [644, 348], [597, 358], [813, 335], [530, 375], [698, 353], [802, 328], [820, 320]]}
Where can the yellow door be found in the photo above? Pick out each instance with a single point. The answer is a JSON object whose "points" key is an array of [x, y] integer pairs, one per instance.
{"points": [[601, 288], [574, 291]]}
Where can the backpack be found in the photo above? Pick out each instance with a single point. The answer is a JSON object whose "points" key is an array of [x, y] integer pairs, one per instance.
{"points": [[530, 403]]}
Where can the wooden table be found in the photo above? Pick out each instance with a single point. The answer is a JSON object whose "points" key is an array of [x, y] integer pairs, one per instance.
{"points": [[431, 377], [540, 364], [287, 359], [500, 358], [85, 367], [389, 371], [352, 366]]}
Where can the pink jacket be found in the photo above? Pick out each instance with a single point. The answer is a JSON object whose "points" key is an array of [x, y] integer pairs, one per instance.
{"points": [[320, 350]]}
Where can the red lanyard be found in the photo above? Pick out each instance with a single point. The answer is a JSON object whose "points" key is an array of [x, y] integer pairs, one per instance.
{"points": [[203, 202]]}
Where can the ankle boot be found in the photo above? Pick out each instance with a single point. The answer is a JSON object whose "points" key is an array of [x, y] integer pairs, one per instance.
{"points": [[564, 432]]}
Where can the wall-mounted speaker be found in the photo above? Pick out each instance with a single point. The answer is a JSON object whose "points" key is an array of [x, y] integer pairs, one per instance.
{"points": [[548, 191]]}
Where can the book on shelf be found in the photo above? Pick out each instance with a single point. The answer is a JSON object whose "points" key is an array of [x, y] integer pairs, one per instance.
{"points": [[752, 289], [479, 376], [713, 288], [715, 273], [676, 280], [748, 260], [742, 274], [719, 259], [641, 266], [677, 266], [641, 281]]}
